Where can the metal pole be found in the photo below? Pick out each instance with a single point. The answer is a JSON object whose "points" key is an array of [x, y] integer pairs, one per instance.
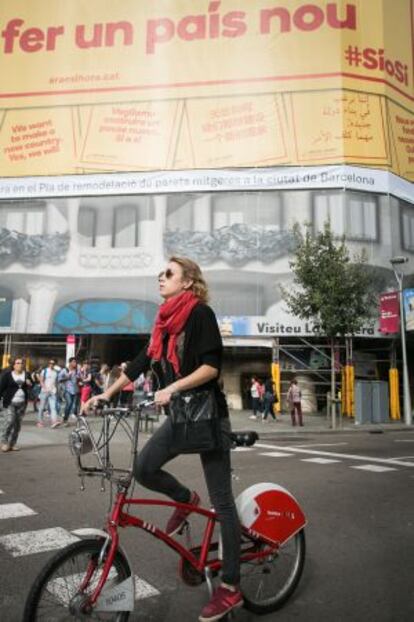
{"points": [[333, 413], [406, 384]]}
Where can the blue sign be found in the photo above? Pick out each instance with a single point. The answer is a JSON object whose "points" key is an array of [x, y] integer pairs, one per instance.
{"points": [[5, 311]]}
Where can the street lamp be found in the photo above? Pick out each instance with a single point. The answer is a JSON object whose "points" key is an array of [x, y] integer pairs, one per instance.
{"points": [[399, 275]]}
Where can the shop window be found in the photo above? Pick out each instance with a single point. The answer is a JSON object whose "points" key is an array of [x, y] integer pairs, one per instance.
{"points": [[127, 219], [407, 226], [228, 299], [125, 226], [248, 208], [352, 214], [180, 212], [105, 316], [87, 226], [23, 218]]}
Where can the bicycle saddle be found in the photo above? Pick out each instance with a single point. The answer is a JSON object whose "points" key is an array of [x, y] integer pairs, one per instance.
{"points": [[244, 439]]}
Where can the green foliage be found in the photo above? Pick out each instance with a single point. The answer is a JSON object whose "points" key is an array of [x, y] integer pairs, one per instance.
{"points": [[330, 288]]}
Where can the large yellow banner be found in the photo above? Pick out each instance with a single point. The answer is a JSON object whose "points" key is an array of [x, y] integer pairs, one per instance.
{"points": [[94, 85]]}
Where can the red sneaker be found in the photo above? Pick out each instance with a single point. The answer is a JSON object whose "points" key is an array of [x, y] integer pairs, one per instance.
{"points": [[223, 601], [179, 516]]}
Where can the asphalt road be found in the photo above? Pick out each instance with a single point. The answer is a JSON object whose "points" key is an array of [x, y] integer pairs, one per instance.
{"points": [[356, 490]]}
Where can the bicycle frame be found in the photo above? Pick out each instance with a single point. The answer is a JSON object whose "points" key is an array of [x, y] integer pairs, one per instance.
{"points": [[258, 546], [120, 518]]}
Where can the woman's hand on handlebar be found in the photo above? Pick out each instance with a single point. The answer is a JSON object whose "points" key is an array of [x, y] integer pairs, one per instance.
{"points": [[93, 402], [163, 397]]}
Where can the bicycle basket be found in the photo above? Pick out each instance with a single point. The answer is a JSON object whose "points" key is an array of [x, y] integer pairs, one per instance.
{"points": [[80, 442]]}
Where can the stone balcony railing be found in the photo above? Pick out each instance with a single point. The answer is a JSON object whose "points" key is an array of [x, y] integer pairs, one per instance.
{"points": [[115, 259]]}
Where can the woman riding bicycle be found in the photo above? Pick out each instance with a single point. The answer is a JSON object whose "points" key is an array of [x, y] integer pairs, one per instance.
{"points": [[185, 352]]}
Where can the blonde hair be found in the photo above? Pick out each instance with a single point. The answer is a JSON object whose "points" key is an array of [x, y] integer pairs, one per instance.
{"points": [[192, 272]]}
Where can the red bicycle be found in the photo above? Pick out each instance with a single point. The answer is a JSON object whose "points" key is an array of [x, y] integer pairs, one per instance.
{"points": [[92, 578]]}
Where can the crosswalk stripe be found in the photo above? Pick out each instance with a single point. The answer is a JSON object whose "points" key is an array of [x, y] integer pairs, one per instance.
{"points": [[330, 454], [373, 467], [39, 541], [319, 460], [143, 589], [61, 586], [276, 454], [243, 449], [15, 510]]}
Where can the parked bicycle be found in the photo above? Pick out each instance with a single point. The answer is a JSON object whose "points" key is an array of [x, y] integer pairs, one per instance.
{"points": [[93, 579]]}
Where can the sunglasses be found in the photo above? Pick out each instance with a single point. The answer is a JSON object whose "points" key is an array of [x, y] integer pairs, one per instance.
{"points": [[168, 273]]}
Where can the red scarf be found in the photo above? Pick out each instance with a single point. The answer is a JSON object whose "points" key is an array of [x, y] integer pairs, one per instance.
{"points": [[171, 319]]}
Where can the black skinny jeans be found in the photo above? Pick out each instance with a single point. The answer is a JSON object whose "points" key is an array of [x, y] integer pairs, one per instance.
{"points": [[217, 472]]}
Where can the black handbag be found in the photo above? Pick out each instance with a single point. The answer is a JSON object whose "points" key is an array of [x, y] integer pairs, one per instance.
{"points": [[195, 422]]}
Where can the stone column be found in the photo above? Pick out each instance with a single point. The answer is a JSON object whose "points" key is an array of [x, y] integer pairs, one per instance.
{"points": [[105, 224], [42, 301], [72, 216], [19, 315]]}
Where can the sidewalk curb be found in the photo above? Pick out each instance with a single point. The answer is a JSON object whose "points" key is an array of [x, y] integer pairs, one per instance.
{"points": [[314, 425]]}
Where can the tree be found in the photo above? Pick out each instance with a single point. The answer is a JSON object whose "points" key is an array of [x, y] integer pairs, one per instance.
{"points": [[332, 289]]}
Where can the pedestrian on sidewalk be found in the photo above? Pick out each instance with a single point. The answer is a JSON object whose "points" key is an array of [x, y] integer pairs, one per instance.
{"points": [[104, 376], [14, 385], [255, 394], [69, 380], [185, 354], [36, 388], [114, 375], [85, 382], [294, 397], [269, 399], [47, 397], [127, 392]]}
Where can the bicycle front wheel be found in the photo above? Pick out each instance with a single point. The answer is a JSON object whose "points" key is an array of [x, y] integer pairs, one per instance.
{"points": [[268, 582], [67, 579]]}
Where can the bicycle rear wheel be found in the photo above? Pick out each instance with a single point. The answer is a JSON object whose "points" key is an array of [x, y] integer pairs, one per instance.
{"points": [[267, 583], [56, 594]]}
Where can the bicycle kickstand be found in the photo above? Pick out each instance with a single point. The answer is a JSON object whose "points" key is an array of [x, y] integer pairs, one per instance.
{"points": [[209, 581]]}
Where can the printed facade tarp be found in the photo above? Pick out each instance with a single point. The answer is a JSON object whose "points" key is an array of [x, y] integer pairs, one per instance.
{"points": [[178, 85]]}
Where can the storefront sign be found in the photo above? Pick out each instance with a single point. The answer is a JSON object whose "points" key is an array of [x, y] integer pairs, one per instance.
{"points": [[389, 313], [70, 346], [261, 326]]}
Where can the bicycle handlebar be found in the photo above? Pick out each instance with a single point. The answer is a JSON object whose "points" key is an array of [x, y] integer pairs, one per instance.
{"points": [[100, 409]]}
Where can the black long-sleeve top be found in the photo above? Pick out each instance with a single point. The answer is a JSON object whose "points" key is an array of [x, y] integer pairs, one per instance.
{"points": [[8, 387], [199, 344]]}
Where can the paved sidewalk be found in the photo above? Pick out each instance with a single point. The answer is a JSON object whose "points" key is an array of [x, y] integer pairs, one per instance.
{"points": [[313, 424], [240, 420]]}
